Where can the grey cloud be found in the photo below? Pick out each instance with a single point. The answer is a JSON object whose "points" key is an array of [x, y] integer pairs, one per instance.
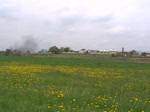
{"points": [[65, 9], [79, 29], [88, 29], [64, 24], [70, 20], [75, 22], [103, 19], [7, 12], [76, 19]]}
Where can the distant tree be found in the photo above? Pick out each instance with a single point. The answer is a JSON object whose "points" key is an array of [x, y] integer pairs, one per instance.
{"points": [[54, 50], [16, 52], [113, 55], [8, 52], [143, 54], [61, 49], [66, 49], [1, 52], [28, 52], [134, 52]]}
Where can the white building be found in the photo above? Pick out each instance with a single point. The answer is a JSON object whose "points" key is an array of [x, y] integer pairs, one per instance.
{"points": [[109, 51]]}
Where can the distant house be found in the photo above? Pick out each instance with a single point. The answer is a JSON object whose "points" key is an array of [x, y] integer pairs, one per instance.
{"points": [[144, 54], [72, 52], [110, 51], [93, 51], [43, 51], [148, 54], [82, 51]]}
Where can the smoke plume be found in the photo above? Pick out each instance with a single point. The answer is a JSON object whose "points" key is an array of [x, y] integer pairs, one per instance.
{"points": [[28, 44]]}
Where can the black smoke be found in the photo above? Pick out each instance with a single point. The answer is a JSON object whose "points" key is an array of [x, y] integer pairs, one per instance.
{"points": [[28, 44]]}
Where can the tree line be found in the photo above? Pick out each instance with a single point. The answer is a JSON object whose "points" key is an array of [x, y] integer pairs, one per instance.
{"points": [[56, 50], [53, 49]]}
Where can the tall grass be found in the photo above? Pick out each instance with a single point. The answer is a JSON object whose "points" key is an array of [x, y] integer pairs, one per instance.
{"points": [[32, 84]]}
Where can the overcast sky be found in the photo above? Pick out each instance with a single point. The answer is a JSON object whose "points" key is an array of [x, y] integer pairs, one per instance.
{"points": [[89, 24]]}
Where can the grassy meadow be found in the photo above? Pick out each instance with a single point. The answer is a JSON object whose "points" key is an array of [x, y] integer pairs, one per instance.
{"points": [[45, 84]]}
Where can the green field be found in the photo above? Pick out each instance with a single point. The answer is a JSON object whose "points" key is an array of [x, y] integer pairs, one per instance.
{"points": [[47, 84]]}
